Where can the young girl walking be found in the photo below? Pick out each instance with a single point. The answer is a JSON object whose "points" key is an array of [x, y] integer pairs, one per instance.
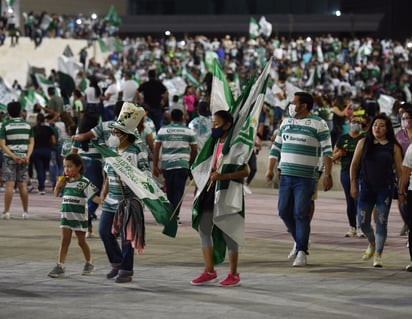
{"points": [[76, 190]]}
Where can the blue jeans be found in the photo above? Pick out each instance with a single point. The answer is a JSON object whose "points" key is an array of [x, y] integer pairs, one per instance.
{"points": [[118, 258], [295, 195], [93, 171], [368, 199], [351, 204], [175, 180], [41, 159]]}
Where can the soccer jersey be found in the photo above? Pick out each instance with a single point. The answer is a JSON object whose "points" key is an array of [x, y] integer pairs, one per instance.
{"points": [[299, 144], [176, 140], [16, 133], [136, 155], [73, 208]]}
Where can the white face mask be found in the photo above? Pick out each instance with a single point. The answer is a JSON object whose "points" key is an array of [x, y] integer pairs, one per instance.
{"points": [[292, 110], [113, 141]]}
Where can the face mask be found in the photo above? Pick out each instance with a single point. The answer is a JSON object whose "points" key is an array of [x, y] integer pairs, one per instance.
{"points": [[113, 141], [218, 132], [405, 124], [292, 110], [354, 127], [69, 174]]}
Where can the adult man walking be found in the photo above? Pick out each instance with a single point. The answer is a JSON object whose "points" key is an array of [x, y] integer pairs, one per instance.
{"points": [[155, 98], [17, 142], [179, 150], [301, 140]]}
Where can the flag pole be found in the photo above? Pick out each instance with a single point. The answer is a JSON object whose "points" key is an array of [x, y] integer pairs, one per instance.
{"points": [[181, 200]]}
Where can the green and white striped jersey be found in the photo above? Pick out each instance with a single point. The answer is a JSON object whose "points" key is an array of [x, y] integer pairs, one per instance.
{"points": [[73, 208], [299, 144], [176, 140], [16, 133]]}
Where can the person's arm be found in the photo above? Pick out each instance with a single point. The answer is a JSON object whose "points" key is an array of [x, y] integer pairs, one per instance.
{"points": [[97, 199], [193, 153], [242, 173], [61, 183], [354, 167], [83, 136], [327, 178], [270, 167], [398, 160], [156, 171], [105, 189]]}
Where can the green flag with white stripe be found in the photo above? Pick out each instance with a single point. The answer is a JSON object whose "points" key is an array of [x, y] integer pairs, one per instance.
{"points": [[145, 188]]}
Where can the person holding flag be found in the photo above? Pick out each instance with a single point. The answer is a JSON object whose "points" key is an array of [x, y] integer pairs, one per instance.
{"points": [[222, 122], [218, 171], [301, 140]]}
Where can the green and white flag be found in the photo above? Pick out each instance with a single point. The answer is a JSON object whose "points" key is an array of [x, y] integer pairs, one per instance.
{"points": [[68, 68], [228, 213], [7, 95], [221, 97], [265, 27], [145, 188], [254, 28], [386, 103], [43, 82]]}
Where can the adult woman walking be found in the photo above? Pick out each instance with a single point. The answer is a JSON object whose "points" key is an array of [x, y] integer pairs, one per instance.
{"points": [[375, 159], [114, 190]]}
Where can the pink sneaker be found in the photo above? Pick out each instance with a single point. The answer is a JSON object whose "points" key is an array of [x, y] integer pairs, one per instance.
{"points": [[231, 281], [205, 278]]}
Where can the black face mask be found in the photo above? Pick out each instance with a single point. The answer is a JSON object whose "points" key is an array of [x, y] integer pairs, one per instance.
{"points": [[218, 132]]}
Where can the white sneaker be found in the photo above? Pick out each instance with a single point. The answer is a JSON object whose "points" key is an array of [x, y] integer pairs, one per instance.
{"points": [[6, 215], [25, 215], [409, 267], [300, 260], [293, 253], [247, 190], [351, 232]]}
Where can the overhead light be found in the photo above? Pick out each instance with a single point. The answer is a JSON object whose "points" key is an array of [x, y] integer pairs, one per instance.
{"points": [[79, 21], [338, 13], [167, 33], [94, 16]]}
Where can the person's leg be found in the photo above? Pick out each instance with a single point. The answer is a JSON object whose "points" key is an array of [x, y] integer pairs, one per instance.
{"points": [[9, 178], [81, 240], [303, 191], [126, 264], [366, 203], [350, 202], [206, 241], [110, 243], [285, 204], [66, 237], [383, 204]]}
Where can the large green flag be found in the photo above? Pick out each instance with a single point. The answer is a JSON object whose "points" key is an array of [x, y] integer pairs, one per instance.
{"points": [[228, 212], [145, 188]]}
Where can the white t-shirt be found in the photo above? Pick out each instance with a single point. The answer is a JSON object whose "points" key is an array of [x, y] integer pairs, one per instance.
{"points": [[91, 96], [112, 90], [129, 89]]}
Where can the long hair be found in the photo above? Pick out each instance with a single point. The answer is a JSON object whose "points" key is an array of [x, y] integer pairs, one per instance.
{"points": [[390, 134]]}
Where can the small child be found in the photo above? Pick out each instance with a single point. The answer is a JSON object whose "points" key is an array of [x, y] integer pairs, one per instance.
{"points": [[76, 190]]}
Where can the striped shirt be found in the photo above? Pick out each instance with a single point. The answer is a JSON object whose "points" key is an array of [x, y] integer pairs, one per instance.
{"points": [[16, 133], [176, 140], [299, 145], [136, 155], [73, 208], [92, 154]]}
